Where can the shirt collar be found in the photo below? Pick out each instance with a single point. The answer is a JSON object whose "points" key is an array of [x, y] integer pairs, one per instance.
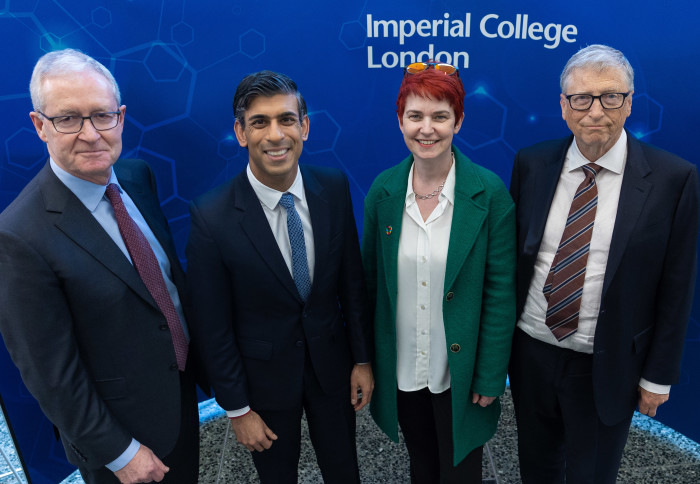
{"points": [[271, 197], [613, 160], [447, 192], [90, 194]]}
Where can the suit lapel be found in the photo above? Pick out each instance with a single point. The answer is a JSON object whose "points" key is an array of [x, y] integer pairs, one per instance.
{"points": [[78, 224], [467, 217], [151, 213], [256, 227], [389, 220], [546, 178], [320, 220], [633, 193]]}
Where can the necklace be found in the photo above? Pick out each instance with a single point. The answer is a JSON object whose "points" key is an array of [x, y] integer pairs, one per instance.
{"points": [[437, 190]]}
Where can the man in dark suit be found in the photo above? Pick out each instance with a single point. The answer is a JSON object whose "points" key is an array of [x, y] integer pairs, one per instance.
{"points": [[605, 282], [278, 292], [89, 289]]}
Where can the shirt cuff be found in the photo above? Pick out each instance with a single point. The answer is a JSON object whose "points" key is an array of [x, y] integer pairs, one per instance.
{"points": [[121, 461], [237, 413], [654, 387]]}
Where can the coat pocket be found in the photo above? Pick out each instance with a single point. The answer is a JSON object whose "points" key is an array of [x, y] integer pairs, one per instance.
{"points": [[256, 349], [111, 388], [642, 340]]}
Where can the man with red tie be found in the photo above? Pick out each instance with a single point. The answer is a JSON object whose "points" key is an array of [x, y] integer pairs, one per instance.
{"points": [[607, 229], [90, 288]]}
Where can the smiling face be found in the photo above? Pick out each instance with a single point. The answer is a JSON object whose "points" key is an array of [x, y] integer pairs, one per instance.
{"points": [[596, 129], [274, 136], [428, 127], [88, 154]]}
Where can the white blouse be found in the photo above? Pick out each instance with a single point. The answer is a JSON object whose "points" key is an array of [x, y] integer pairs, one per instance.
{"points": [[422, 257]]}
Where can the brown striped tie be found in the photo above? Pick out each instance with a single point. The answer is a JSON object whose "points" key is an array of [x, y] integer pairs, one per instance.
{"points": [[564, 284]]}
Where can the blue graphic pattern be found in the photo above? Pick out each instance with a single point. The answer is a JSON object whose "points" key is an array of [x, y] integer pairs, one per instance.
{"points": [[178, 63]]}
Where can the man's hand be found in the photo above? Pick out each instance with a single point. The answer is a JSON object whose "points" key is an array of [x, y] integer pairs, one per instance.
{"points": [[482, 400], [143, 467], [252, 432], [361, 379], [649, 402]]}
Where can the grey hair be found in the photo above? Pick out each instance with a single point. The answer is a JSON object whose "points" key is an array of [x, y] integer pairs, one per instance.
{"points": [[61, 62], [599, 57], [266, 84]]}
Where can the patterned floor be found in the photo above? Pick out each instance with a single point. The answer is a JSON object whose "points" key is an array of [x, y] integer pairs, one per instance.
{"points": [[654, 454]]}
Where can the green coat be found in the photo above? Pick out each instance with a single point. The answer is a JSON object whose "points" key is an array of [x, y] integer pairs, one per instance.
{"points": [[479, 298]]}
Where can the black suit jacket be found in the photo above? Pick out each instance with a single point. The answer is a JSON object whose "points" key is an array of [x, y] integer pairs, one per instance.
{"points": [[250, 324], [89, 340], [650, 274]]}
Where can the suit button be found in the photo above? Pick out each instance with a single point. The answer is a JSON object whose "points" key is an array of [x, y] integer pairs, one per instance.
{"points": [[163, 327], [449, 296], [299, 343], [173, 366], [455, 348]]}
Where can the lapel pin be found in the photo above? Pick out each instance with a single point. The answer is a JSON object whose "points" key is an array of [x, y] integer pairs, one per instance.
{"points": [[388, 229]]}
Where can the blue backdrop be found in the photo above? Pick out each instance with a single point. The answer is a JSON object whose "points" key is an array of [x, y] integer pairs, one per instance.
{"points": [[178, 63]]}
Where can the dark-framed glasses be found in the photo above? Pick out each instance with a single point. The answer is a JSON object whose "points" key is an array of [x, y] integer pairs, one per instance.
{"points": [[73, 124], [417, 67], [609, 100]]}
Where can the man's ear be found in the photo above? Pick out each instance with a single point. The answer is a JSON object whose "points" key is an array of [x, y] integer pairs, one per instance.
{"points": [[240, 134], [39, 124], [305, 128]]}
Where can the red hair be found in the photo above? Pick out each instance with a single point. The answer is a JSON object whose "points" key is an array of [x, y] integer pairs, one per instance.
{"points": [[432, 84]]}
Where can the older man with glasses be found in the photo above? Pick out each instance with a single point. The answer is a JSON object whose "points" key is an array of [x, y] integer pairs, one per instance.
{"points": [[607, 229], [90, 288]]}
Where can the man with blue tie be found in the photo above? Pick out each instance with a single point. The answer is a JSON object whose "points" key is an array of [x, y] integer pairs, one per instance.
{"points": [[90, 289], [276, 283], [607, 228]]}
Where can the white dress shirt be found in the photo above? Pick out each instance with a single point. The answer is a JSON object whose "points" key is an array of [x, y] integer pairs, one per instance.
{"points": [[609, 182], [422, 258], [277, 218]]}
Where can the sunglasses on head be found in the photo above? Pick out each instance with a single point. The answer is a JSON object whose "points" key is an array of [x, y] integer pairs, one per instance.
{"points": [[418, 67]]}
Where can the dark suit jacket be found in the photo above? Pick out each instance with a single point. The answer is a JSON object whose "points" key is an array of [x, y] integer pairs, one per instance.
{"points": [[89, 340], [650, 274], [249, 320]]}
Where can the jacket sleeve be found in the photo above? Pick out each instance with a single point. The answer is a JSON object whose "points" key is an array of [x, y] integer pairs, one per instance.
{"points": [[210, 289], [498, 300], [38, 330], [353, 293], [675, 289]]}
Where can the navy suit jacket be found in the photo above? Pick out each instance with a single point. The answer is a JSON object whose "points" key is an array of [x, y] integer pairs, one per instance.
{"points": [[250, 323], [650, 274], [89, 340]]}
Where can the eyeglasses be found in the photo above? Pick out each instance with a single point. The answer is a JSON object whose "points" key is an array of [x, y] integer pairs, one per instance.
{"points": [[73, 124], [610, 100], [417, 67]]}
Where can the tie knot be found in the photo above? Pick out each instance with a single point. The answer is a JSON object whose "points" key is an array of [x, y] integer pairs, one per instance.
{"points": [[112, 192], [287, 201], [591, 170]]}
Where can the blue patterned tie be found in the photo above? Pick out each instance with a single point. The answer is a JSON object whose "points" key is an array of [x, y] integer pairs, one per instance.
{"points": [[300, 265]]}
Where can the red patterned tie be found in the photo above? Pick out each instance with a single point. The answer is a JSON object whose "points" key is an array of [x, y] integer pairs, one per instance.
{"points": [[147, 266], [564, 284]]}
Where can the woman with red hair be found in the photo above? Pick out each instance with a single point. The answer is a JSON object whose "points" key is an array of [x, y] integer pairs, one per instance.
{"points": [[439, 255]]}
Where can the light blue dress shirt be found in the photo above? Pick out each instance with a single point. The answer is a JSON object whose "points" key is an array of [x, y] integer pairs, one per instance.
{"points": [[93, 197]]}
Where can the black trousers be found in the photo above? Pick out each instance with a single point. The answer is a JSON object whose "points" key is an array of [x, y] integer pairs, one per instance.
{"points": [[183, 460], [331, 421], [426, 422], [560, 437]]}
